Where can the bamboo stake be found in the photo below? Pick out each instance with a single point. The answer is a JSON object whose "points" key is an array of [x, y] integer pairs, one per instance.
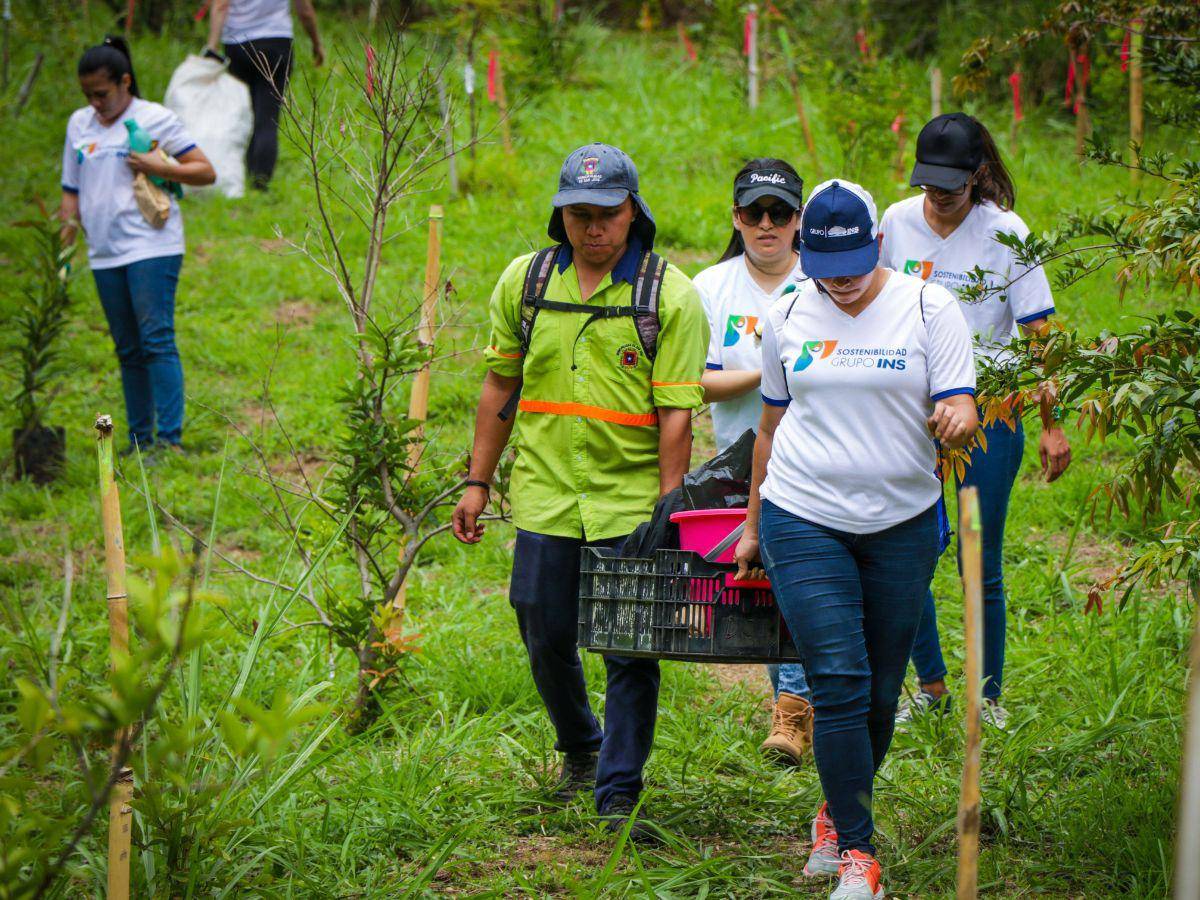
{"points": [[1187, 841], [502, 105], [418, 401], [1015, 129], [1137, 121], [448, 135], [372, 14], [969, 799], [802, 115], [901, 140], [935, 92], [752, 26], [120, 812], [1082, 119]]}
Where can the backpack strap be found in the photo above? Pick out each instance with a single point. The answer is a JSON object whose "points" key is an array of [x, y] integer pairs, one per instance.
{"points": [[533, 294], [647, 288]]}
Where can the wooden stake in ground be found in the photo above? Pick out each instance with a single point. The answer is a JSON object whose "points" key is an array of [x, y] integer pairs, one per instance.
{"points": [[935, 92], [1082, 119], [1014, 81], [1137, 121], [969, 800], [502, 100], [1187, 841], [901, 140], [120, 812], [418, 401], [752, 53], [448, 132]]}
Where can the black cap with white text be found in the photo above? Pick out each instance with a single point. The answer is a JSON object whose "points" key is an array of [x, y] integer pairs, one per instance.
{"points": [[769, 183]]}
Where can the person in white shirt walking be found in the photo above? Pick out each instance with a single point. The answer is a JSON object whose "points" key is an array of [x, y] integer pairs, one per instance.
{"points": [[943, 235], [761, 261], [863, 369], [257, 35], [135, 264]]}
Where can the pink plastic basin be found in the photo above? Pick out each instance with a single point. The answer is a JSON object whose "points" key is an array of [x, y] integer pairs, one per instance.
{"points": [[700, 530]]}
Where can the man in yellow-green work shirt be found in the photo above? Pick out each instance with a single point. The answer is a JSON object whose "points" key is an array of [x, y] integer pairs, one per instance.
{"points": [[605, 344]]}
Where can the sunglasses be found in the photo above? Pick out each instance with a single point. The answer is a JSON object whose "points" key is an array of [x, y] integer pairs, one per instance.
{"points": [[779, 212]]}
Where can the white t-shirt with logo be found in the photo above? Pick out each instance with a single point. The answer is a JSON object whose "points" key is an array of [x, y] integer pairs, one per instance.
{"points": [[852, 451], [252, 20], [735, 306], [94, 167], [909, 245]]}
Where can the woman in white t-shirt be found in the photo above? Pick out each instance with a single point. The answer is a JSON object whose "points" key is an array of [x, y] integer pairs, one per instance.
{"points": [[760, 263], [863, 369], [135, 265], [944, 235]]}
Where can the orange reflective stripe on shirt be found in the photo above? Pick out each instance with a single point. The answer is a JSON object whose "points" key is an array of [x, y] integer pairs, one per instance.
{"points": [[588, 412], [500, 353], [674, 384]]}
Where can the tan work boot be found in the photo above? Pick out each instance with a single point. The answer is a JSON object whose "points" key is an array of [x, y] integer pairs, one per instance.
{"points": [[791, 730]]}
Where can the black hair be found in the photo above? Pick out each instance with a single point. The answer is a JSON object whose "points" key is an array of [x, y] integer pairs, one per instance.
{"points": [[992, 181], [112, 57], [736, 245]]}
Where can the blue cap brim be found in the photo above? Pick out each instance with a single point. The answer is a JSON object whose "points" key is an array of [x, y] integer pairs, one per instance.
{"points": [[840, 263], [590, 196]]}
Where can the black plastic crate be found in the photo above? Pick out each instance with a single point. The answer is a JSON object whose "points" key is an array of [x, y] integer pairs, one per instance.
{"points": [[676, 606]]}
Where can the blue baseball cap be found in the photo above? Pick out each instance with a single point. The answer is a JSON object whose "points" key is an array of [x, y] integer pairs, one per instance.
{"points": [[600, 175], [838, 231]]}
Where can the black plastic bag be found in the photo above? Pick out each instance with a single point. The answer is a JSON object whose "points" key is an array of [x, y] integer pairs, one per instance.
{"points": [[660, 533], [724, 481]]}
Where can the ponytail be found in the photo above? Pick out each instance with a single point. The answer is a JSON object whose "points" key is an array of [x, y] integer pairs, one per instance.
{"points": [[737, 246], [992, 181], [113, 57]]}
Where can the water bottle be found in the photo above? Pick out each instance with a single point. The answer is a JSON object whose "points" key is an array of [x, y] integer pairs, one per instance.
{"points": [[141, 142]]}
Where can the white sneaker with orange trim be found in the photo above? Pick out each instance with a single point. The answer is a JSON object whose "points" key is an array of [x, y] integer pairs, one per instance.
{"points": [[823, 859], [860, 878]]}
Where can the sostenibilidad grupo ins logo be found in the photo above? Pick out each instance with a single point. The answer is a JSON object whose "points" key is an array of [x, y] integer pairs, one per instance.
{"points": [[810, 351], [736, 326], [922, 268]]}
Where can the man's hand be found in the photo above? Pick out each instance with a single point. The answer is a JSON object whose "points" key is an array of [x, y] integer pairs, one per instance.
{"points": [[746, 555], [1055, 451], [318, 54], [467, 527], [953, 423]]}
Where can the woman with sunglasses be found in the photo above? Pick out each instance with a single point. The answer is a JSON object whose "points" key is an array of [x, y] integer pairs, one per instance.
{"points": [[863, 369], [759, 264], [943, 235]]}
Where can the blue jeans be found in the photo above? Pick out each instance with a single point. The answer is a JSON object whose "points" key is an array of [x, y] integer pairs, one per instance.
{"points": [[139, 303], [852, 602], [545, 594], [994, 474], [789, 677]]}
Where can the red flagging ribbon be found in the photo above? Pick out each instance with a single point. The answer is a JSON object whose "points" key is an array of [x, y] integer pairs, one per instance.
{"points": [[747, 31], [1125, 53], [1015, 80], [203, 11], [1070, 83], [860, 38], [493, 68], [370, 71], [689, 49], [898, 122]]}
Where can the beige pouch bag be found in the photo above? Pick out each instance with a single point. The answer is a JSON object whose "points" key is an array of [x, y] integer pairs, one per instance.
{"points": [[152, 200]]}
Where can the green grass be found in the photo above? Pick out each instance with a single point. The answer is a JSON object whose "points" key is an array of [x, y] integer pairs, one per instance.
{"points": [[444, 794]]}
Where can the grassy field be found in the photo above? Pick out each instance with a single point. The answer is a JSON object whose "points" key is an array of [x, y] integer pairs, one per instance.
{"points": [[444, 795]]}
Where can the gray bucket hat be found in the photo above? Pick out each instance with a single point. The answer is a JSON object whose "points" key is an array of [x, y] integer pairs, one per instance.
{"points": [[600, 175]]}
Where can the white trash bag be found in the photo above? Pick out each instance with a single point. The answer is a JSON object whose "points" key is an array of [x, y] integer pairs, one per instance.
{"points": [[215, 107]]}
